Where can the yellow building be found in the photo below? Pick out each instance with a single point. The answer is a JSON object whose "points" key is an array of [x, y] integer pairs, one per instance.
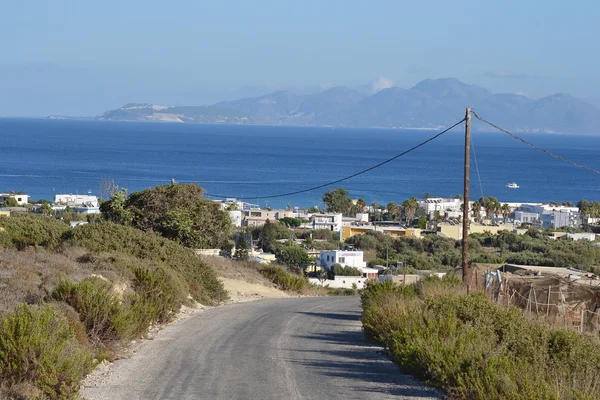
{"points": [[4, 212], [455, 231], [394, 231]]}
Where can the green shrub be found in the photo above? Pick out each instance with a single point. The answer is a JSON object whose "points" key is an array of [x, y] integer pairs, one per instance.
{"points": [[283, 279], [177, 212], [156, 298], [474, 349], [100, 310], [201, 280], [23, 231], [37, 345]]}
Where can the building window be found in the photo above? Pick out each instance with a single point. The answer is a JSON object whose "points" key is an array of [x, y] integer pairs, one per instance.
{"points": [[342, 259]]}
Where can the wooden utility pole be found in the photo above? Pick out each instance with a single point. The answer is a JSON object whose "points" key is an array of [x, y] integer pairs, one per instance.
{"points": [[465, 227]]}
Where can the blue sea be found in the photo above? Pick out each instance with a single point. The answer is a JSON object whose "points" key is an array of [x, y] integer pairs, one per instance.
{"points": [[43, 157]]}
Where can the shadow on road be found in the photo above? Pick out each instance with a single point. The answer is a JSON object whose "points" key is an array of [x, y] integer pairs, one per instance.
{"points": [[349, 316], [359, 364]]}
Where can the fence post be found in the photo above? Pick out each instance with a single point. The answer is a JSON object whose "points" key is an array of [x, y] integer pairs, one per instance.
{"points": [[562, 300], [536, 302], [548, 308]]}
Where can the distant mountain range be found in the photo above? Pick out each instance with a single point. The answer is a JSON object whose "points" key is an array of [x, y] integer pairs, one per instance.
{"points": [[431, 104]]}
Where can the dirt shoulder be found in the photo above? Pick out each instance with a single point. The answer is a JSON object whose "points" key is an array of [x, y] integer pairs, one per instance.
{"points": [[240, 291]]}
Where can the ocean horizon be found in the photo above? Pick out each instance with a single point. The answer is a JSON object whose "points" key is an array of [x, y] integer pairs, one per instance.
{"points": [[43, 157]]}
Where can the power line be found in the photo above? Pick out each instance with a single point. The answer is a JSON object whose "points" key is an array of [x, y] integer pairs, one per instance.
{"points": [[477, 166], [537, 147], [349, 176]]}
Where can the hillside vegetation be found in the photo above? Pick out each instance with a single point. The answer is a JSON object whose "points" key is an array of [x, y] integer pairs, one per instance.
{"points": [[73, 297], [474, 349]]}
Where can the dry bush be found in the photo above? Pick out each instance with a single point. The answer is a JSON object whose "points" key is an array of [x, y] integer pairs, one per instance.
{"points": [[29, 276], [474, 349]]}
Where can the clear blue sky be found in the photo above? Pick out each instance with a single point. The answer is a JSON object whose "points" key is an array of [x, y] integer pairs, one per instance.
{"points": [[82, 57]]}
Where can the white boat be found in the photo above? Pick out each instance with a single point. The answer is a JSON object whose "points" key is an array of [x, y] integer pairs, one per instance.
{"points": [[512, 185]]}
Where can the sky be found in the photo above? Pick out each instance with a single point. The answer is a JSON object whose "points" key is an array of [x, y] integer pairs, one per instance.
{"points": [[82, 58]]}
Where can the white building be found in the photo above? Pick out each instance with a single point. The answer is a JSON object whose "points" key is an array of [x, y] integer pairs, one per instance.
{"points": [[236, 217], [582, 236], [76, 200], [433, 204], [341, 282], [21, 199], [345, 258], [331, 222]]}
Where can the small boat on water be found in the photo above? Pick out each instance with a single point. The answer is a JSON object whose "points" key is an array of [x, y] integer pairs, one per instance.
{"points": [[512, 185]]}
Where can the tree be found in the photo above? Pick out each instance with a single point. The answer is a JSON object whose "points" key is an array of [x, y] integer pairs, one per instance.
{"points": [[177, 212], [313, 210], [361, 204], [505, 211], [410, 208], [47, 209], [291, 222], [490, 204], [241, 250], [392, 211], [114, 209], [292, 255], [476, 210], [337, 201], [267, 236], [11, 202]]}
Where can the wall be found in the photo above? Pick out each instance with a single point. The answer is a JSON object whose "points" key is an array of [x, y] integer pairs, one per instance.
{"points": [[344, 282]]}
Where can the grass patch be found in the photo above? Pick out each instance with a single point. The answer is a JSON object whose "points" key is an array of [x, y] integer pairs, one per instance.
{"points": [[474, 349]]}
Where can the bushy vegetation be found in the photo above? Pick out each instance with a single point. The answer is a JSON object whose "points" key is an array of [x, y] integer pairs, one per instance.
{"points": [[177, 212], [102, 237], [31, 231], [284, 279], [471, 348], [437, 253], [117, 282], [39, 352], [431, 252], [340, 270], [291, 255]]}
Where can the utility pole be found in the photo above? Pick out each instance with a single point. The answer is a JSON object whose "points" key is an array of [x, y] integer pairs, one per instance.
{"points": [[465, 227]]}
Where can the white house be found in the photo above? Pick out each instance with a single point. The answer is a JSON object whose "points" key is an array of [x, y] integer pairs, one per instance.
{"points": [[331, 222], [76, 200], [433, 204], [345, 258], [21, 199]]}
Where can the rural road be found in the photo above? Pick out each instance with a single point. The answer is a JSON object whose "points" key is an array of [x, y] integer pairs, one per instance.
{"points": [[296, 348]]}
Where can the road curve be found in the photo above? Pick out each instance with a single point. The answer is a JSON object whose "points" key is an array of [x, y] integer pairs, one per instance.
{"points": [[297, 348]]}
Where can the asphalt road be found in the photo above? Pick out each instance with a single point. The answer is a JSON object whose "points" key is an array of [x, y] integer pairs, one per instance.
{"points": [[297, 348]]}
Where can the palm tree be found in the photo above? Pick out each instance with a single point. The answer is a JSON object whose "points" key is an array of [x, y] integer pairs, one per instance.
{"points": [[476, 210], [410, 208], [497, 209], [505, 211], [392, 211]]}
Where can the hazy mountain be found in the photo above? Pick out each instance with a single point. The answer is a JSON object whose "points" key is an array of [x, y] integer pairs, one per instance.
{"points": [[432, 103]]}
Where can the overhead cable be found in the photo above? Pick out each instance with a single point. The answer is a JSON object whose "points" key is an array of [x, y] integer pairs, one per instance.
{"points": [[536, 147], [346, 177]]}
